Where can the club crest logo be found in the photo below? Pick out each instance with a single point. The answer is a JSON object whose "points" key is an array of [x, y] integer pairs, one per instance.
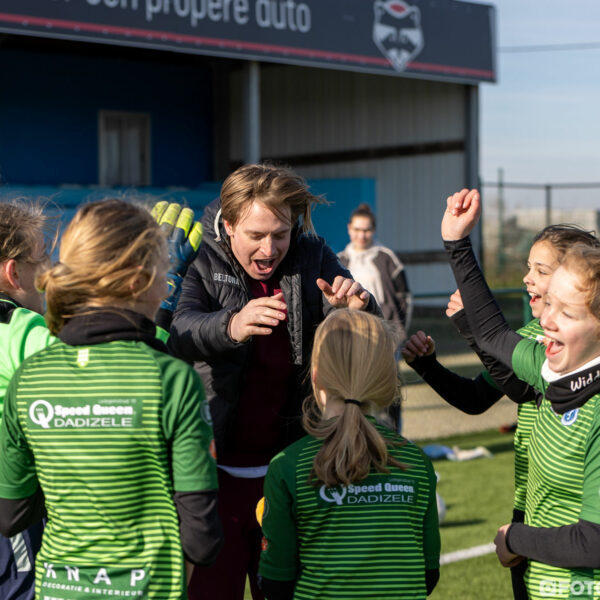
{"points": [[570, 417], [397, 31]]}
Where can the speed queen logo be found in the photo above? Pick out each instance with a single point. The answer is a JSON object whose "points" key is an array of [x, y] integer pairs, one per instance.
{"points": [[41, 412], [397, 31]]}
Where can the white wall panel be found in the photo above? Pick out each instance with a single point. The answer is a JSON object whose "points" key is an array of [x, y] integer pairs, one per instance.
{"points": [[411, 193], [318, 110], [310, 111], [411, 196]]}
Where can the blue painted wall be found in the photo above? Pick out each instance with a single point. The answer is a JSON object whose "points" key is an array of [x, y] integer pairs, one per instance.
{"points": [[330, 220], [344, 195], [49, 105]]}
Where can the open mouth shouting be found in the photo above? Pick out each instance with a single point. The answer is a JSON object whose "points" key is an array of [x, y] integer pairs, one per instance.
{"points": [[553, 347], [265, 266], [534, 299]]}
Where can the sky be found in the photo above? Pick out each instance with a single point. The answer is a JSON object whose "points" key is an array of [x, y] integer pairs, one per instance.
{"points": [[540, 122]]}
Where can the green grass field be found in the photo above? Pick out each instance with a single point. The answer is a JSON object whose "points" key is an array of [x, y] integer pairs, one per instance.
{"points": [[478, 496]]}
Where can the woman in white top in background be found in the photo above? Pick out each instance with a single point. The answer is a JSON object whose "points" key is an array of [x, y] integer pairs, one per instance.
{"points": [[380, 271]]}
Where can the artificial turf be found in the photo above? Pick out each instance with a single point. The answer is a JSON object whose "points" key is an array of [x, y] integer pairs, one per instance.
{"points": [[478, 496]]}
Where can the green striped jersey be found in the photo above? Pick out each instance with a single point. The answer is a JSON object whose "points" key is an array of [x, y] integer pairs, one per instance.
{"points": [[526, 414], [563, 478], [22, 333], [373, 539], [110, 431]]}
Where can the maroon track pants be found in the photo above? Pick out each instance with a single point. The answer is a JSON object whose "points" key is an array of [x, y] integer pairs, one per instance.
{"points": [[226, 578]]}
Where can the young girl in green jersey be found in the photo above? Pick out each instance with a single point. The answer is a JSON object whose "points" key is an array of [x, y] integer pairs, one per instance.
{"points": [[350, 510], [23, 253], [475, 396], [107, 425], [561, 534]]}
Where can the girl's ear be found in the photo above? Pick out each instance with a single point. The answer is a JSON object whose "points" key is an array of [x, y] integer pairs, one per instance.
{"points": [[313, 376], [9, 275], [136, 283]]}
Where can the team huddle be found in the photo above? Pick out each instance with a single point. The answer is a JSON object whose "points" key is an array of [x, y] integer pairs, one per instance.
{"points": [[182, 420]]}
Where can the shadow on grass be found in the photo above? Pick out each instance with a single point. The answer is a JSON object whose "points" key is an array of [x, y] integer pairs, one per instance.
{"points": [[450, 524], [499, 447]]}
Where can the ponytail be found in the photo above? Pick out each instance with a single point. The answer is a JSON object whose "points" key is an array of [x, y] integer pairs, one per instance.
{"points": [[353, 358], [352, 446]]}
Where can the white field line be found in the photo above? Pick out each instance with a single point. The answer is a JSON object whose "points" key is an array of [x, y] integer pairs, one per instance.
{"points": [[482, 550]]}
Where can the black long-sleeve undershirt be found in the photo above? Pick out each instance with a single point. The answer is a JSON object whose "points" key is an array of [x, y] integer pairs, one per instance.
{"points": [[200, 528], [569, 546], [490, 330], [199, 524], [504, 377], [472, 396], [18, 515]]}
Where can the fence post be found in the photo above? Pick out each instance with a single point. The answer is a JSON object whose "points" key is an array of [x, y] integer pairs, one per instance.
{"points": [[548, 189], [501, 255]]}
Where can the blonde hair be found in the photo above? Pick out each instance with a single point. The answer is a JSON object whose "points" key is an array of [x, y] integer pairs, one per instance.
{"points": [[105, 247], [23, 227], [585, 261], [276, 187], [352, 358]]}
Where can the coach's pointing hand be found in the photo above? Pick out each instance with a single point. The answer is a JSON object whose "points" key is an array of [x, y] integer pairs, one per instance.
{"points": [[344, 293]]}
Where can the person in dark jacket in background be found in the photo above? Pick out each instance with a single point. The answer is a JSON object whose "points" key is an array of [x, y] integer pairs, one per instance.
{"points": [[249, 307]]}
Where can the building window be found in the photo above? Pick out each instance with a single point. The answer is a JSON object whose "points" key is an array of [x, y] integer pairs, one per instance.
{"points": [[124, 152]]}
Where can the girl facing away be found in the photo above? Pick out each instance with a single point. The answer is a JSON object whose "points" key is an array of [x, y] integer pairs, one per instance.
{"points": [[560, 537], [350, 510], [105, 428], [475, 396]]}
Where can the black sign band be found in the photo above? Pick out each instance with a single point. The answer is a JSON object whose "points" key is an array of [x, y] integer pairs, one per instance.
{"points": [[447, 40]]}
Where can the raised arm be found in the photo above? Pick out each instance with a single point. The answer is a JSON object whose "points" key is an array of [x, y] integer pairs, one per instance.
{"points": [[490, 330]]}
